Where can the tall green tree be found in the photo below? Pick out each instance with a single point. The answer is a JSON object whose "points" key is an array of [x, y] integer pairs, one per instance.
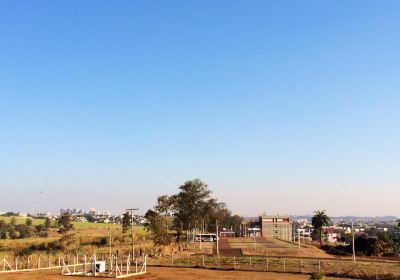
{"points": [[64, 223], [157, 224], [192, 208], [214, 211], [190, 203], [234, 222], [126, 221], [47, 223], [319, 220], [165, 204]]}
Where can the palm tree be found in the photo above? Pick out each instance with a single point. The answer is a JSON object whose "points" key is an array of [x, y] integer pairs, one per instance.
{"points": [[319, 220]]}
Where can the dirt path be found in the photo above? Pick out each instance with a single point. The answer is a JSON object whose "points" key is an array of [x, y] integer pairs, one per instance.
{"points": [[230, 252], [226, 250]]}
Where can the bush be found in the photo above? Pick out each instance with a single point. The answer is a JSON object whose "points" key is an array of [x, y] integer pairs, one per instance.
{"points": [[50, 247], [337, 250], [40, 228], [29, 222], [317, 276], [24, 231], [103, 241], [43, 234]]}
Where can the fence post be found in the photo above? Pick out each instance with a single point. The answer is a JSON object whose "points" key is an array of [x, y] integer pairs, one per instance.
{"points": [[250, 263], [337, 268], [267, 264], [284, 265], [84, 264], [319, 266], [74, 264], [234, 262], [16, 263], [202, 260]]}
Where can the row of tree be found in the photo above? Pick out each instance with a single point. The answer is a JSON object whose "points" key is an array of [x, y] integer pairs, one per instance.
{"points": [[191, 209], [383, 244], [12, 230]]}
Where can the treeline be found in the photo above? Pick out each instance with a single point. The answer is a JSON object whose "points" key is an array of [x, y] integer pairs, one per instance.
{"points": [[192, 209], [12, 230], [383, 244]]}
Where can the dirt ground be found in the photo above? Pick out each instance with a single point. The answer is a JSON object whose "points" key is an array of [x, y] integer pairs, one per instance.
{"points": [[250, 243], [270, 247], [158, 273]]}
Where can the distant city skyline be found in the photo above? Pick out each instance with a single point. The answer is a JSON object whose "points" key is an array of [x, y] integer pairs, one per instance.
{"points": [[280, 107]]}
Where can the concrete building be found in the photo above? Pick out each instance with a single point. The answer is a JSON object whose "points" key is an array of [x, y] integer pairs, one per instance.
{"points": [[276, 227]]}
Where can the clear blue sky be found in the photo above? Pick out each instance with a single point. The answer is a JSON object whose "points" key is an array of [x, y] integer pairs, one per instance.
{"points": [[280, 106]]}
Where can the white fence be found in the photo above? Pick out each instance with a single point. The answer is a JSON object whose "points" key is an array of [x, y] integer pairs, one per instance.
{"points": [[114, 267]]}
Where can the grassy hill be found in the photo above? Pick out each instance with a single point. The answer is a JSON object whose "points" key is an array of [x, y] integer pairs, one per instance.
{"points": [[77, 225]]}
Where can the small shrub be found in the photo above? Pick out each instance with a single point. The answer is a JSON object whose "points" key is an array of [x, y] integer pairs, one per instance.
{"points": [[43, 234], [317, 276], [103, 241]]}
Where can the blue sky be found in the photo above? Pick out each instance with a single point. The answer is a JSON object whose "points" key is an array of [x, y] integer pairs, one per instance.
{"points": [[281, 107]]}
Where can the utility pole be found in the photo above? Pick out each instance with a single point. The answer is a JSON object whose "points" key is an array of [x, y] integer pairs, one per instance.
{"points": [[109, 229], [255, 240], [201, 236], [354, 246], [299, 237], [293, 233], [216, 224], [133, 241]]}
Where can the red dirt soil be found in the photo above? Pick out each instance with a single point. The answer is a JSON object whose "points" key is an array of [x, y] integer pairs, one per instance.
{"points": [[158, 273]]}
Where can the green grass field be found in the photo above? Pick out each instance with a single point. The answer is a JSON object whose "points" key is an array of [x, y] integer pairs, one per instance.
{"points": [[84, 225], [22, 220], [77, 225], [83, 234]]}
